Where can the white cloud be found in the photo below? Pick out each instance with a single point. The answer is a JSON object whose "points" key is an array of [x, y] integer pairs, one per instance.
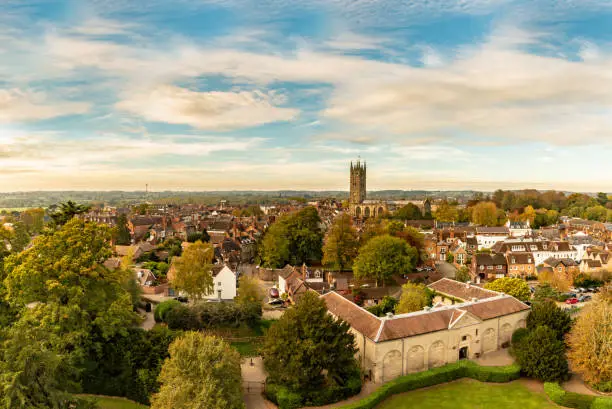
{"points": [[207, 110], [18, 105]]}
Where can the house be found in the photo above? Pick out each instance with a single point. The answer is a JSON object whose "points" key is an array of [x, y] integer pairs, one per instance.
{"points": [[471, 245], [565, 267], [489, 266], [442, 250], [225, 281], [521, 265], [540, 249], [397, 345], [488, 236], [460, 255], [518, 228], [431, 247]]}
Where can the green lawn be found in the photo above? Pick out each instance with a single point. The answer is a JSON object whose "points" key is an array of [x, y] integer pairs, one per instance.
{"points": [[246, 349], [470, 394], [117, 403]]}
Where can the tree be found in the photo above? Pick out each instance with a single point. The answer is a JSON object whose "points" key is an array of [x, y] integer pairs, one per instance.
{"points": [[123, 237], [202, 372], [414, 298], [602, 198], [590, 343], [408, 212], [384, 257], [386, 305], [308, 349], [341, 244], [545, 292], [446, 212], [20, 238], [515, 287], [463, 274], [295, 239], [67, 210], [597, 213], [546, 313], [529, 214], [250, 297], [414, 238], [541, 355], [559, 282], [193, 270], [485, 214], [34, 220]]}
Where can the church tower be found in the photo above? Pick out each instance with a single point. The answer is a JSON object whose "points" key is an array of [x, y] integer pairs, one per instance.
{"points": [[358, 183]]}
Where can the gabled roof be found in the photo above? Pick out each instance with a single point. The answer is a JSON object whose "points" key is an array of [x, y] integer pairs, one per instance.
{"points": [[461, 290], [554, 262], [484, 259]]}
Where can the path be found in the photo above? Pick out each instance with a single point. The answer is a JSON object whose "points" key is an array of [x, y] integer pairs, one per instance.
{"points": [[149, 320], [576, 384], [254, 374], [446, 269], [497, 358]]}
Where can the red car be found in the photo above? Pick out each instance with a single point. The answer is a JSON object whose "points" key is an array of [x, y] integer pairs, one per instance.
{"points": [[274, 293], [572, 301]]}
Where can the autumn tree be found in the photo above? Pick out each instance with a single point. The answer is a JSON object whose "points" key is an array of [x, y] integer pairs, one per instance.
{"points": [[384, 257], [201, 372], [515, 287], [446, 212], [529, 214], [341, 244], [193, 270], [590, 342], [463, 274], [559, 282], [414, 298], [250, 297], [34, 220], [484, 214]]}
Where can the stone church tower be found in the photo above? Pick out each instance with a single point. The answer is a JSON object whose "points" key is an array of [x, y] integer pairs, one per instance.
{"points": [[358, 183]]}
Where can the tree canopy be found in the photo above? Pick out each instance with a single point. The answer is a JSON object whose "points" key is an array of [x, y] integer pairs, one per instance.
{"points": [[308, 349], [341, 244], [63, 213], [293, 239], [202, 372], [446, 212], [384, 257], [193, 270], [541, 355], [408, 212], [414, 298], [515, 287], [123, 236], [549, 314], [485, 214]]}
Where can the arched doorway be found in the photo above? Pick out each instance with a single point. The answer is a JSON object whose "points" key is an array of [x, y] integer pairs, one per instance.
{"points": [[366, 213], [381, 211], [436, 354], [358, 211], [488, 341], [505, 334], [392, 365], [416, 358]]}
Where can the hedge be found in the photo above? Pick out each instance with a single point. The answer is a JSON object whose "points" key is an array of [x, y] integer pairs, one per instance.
{"points": [[575, 400], [447, 373]]}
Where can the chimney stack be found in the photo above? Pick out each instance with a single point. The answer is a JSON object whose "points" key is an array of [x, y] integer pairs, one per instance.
{"points": [[467, 284], [427, 309]]}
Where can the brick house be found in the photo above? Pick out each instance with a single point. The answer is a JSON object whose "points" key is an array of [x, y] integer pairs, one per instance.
{"points": [[521, 265], [489, 266]]}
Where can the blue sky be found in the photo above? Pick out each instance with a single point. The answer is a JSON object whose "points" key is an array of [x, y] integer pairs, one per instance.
{"points": [[282, 94]]}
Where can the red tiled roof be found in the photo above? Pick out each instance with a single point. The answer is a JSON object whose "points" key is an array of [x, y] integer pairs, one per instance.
{"points": [[461, 290]]}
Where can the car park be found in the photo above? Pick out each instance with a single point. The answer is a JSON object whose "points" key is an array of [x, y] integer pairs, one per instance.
{"points": [[584, 298], [572, 300]]}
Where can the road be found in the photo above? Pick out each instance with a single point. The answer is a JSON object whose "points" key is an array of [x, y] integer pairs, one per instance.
{"points": [[446, 269]]}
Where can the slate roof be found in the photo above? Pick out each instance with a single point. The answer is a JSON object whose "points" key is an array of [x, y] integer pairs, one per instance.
{"points": [[490, 259], [461, 290]]}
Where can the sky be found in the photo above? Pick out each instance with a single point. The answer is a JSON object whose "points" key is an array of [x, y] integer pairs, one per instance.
{"points": [[283, 94]]}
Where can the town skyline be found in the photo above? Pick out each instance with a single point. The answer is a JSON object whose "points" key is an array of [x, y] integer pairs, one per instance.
{"points": [[198, 95]]}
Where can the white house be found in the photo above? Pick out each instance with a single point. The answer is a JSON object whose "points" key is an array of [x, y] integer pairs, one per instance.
{"points": [[519, 229], [224, 280]]}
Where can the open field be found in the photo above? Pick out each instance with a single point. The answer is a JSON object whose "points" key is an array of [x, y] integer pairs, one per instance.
{"points": [[117, 403], [470, 394]]}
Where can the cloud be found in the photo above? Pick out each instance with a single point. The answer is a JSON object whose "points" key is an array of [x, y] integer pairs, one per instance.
{"points": [[18, 106], [207, 110]]}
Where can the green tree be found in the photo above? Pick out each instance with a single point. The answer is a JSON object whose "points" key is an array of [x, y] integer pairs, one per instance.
{"points": [[34, 220], [20, 238], [446, 212], [307, 349], [597, 213], [414, 238], [545, 292], [250, 297], [485, 214], [590, 343], [66, 211], [193, 270], [408, 212], [202, 372], [123, 236], [386, 305], [515, 287], [541, 355], [546, 313], [463, 274], [341, 244], [414, 298], [384, 257], [295, 239], [602, 198]]}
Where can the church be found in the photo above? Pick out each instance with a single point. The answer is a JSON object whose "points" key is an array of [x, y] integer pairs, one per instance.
{"points": [[358, 205]]}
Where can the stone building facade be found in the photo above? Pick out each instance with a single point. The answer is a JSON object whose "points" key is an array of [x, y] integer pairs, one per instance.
{"points": [[358, 205], [397, 345]]}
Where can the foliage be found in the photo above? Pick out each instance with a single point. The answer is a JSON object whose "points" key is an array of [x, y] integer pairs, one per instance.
{"points": [[308, 350], [159, 268], [162, 309], [548, 314], [67, 211], [597, 213], [193, 270], [414, 298], [408, 212], [123, 237], [341, 244], [519, 335], [575, 400], [485, 214], [20, 238], [515, 287], [586, 281], [436, 376], [541, 355], [545, 292], [250, 298], [33, 220], [590, 343], [128, 364], [202, 236], [463, 274], [384, 257], [206, 316], [446, 213], [202, 372], [386, 305], [293, 239], [559, 282]]}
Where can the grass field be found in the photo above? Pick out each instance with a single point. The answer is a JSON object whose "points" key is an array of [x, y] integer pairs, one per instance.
{"points": [[117, 403], [470, 394]]}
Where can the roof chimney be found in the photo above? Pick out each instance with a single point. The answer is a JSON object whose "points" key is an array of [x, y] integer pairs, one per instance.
{"points": [[467, 284], [427, 309], [389, 315]]}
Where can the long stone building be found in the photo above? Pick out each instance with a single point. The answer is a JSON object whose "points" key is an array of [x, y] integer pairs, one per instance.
{"points": [[465, 323]]}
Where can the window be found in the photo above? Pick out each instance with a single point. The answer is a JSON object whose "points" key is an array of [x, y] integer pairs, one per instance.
{"points": [[219, 283], [464, 338], [476, 332], [489, 267], [560, 269], [482, 267], [499, 267]]}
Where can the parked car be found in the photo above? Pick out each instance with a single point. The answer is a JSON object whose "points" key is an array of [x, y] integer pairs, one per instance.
{"points": [[584, 298], [582, 290], [571, 295], [592, 290], [181, 299], [572, 300], [274, 293]]}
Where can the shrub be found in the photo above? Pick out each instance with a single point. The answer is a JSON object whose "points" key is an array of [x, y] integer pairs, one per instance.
{"points": [[181, 317], [541, 355], [575, 400], [288, 399], [519, 335], [163, 308]]}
